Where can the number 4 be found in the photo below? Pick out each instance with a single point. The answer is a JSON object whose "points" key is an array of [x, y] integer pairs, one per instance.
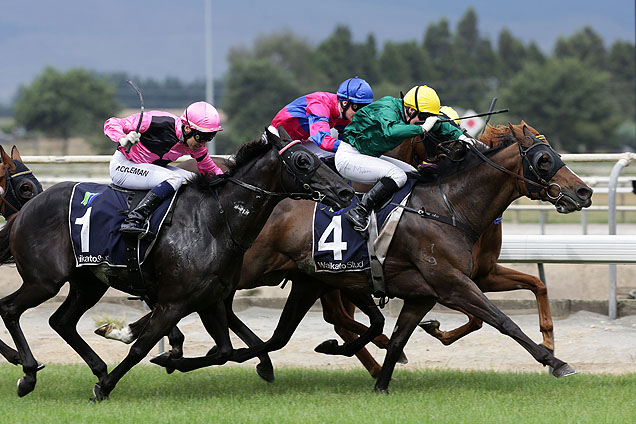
{"points": [[337, 245]]}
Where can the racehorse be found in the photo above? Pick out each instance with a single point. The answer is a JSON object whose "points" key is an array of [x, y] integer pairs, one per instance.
{"points": [[337, 309], [17, 183], [194, 265], [428, 261]]}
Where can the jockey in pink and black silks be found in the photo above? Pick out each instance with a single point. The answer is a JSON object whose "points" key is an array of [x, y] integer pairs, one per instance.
{"points": [[312, 117], [145, 150]]}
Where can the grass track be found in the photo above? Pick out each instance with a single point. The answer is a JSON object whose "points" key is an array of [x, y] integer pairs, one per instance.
{"points": [[237, 395]]}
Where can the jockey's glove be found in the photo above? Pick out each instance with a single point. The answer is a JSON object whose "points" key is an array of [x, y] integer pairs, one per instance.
{"points": [[429, 123], [471, 141], [130, 139]]}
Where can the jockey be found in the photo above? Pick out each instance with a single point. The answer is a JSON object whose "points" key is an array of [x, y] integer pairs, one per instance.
{"points": [[378, 128], [141, 160], [311, 117], [447, 112]]}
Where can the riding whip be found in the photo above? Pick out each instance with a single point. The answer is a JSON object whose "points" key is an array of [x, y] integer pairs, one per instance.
{"points": [[492, 107], [470, 116], [141, 99]]}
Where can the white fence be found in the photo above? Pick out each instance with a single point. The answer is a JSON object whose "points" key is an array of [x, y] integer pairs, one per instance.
{"points": [[611, 249]]}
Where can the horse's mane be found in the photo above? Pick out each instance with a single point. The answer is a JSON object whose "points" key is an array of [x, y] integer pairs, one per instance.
{"points": [[246, 153], [498, 138]]}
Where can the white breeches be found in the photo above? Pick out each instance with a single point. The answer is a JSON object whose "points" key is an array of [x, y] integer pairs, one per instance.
{"points": [[144, 176], [366, 169]]}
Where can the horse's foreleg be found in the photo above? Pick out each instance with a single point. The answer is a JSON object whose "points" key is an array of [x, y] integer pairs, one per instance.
{"points": [[451, 336], [460, 293], [12, 307], [10, 354], [84, 293], [410, 315], [506, 279], [163, 318], [366, 304], [301, 298]]}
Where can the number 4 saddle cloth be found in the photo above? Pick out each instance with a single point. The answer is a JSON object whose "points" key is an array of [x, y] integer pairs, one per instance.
{"points": [[337, 247], [96, 212]]}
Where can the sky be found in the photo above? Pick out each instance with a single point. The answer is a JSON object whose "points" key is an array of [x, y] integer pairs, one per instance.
{"points": [[161, 38]]}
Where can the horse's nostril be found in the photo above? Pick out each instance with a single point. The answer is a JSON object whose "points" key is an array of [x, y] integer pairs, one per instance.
{"points": [[584, 192]]}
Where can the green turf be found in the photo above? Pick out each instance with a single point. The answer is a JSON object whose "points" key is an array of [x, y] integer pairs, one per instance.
{"points": [[237, 395]]}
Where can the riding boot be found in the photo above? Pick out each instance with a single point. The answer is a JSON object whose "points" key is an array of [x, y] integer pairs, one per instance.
{"points": [[359, 214], [136, 222]]}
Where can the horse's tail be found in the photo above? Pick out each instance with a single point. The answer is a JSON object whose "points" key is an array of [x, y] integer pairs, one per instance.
{"points": [[5, 251]]}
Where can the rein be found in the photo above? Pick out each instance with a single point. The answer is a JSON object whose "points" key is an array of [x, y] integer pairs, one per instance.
{"points": [[9, 186], [304, 179]]}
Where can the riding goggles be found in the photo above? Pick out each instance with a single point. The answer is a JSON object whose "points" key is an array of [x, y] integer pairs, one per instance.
{"points": [[203, 137]]}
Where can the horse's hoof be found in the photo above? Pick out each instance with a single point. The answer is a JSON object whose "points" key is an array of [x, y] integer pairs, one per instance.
{"points": [[40, 366], [563, 371], [380, 390], [429, 326], [162, 360], [328, 347], [266, 372], [403, 359], [98, 393], [25, 386]]}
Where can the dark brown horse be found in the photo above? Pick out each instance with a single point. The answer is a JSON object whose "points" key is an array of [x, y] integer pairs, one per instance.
{"points": [[194, 265], [432, 262], [339, 311]]}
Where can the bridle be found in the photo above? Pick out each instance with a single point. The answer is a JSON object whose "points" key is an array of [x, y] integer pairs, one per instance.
{"points": [[298, 162], [9, 197], [536, 184]]}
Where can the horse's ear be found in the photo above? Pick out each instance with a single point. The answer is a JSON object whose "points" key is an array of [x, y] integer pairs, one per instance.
{"points": [[6, 160], [15, 155], [273, 138], [284, 135]]}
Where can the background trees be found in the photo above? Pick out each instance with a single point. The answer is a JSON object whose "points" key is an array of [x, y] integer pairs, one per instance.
{"points": [[582, 94], [66, 104]]}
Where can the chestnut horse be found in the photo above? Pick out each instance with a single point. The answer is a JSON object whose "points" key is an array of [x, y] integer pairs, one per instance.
{"points": [[433, 261], [194, 265]]}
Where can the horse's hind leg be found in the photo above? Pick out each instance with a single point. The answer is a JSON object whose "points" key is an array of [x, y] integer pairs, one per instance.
{"points": [[12, 307], [451, 336], [84, 293]]}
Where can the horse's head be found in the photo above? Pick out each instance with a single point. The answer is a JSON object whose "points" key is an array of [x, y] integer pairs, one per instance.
{"points": [[547, 177], [18, 185], [308, 174]]}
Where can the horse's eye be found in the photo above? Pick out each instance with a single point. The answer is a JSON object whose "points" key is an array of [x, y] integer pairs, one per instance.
{"points": [[302, 160], [26, 190], [545, 162]]}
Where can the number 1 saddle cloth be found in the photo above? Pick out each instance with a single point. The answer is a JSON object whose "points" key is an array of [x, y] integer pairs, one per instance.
{"points": [[337, 247], [96, 212]]}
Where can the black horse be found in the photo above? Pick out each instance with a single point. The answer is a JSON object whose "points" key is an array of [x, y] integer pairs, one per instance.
{"points": [[18, 185], [194, 265]]}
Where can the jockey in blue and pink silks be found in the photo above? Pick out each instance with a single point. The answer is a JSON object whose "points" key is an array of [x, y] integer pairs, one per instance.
{"points": [[311, 118], [145, 150]]}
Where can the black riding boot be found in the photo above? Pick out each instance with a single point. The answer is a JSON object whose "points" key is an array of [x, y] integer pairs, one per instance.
{"points": [[135, 222], [359, 215]]}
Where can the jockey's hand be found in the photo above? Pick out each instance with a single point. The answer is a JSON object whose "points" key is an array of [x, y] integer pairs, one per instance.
{"points": [[471, 141], [429, 123], [130, 139]]}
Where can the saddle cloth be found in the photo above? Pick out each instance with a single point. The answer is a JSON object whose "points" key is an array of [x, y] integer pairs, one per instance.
{"points": [[337, 247], [95, 214]]}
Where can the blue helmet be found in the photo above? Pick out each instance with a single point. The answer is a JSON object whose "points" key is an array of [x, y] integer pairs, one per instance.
{"points": [[355, 90]]}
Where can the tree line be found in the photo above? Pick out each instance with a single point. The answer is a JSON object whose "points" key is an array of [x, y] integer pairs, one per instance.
{"points": [[582, 95]]}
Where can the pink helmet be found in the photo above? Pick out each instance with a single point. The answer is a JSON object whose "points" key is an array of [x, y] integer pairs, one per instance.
{"points": [[202, 116]]}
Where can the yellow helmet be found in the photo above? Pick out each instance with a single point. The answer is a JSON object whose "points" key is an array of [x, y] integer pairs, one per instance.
{"points": [[451, 113], [427, 99]]}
